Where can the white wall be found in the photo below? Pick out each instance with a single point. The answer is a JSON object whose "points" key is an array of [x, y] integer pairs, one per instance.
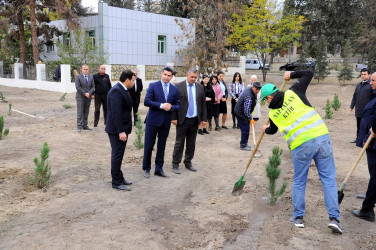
{"points": [[44, 85]]}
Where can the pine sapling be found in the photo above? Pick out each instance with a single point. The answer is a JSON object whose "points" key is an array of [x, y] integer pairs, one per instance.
{"points": [[273, 172], [3, 132], [328, 110], [62, 98], [336, 104], [10, 109], [138, 143], [2, 97], [42, 170]]}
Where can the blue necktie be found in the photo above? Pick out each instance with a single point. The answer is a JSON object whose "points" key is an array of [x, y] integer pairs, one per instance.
{"points": [[190, 101], [86, 79], [165, 85]]}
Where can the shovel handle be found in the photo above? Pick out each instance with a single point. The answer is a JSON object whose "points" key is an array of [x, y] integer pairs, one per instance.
{"points": [[357, 161], [260, 139], [253, 133]]}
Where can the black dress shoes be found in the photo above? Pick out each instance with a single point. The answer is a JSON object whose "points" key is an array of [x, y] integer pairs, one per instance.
{"points": [[87, 128], [190, 167], [361, 196], [79, 130], [225, 127], [176, 170], [147, 174], [161, 174], [368, 216], [354, 141], [122, 187], [125, 182]]}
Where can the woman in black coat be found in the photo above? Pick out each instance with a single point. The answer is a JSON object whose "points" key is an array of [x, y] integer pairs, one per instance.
{"points": [[210, 97]]}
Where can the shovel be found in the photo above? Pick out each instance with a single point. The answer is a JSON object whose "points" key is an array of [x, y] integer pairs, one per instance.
{"points": [[39, 117], [343, 185], [239, 185]]}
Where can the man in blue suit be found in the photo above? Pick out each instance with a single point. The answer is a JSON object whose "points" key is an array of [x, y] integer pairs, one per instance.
{"points": [[162, 98], [119, 125]]}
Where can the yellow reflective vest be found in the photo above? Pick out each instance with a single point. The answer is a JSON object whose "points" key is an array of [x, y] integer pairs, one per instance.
{"points": [[297, 122]]}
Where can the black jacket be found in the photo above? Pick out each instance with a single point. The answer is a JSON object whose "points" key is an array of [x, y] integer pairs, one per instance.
{"points": [[102, 84], [368, 121], [362, 94], [136, 94], [300, 88], [209, 92]]}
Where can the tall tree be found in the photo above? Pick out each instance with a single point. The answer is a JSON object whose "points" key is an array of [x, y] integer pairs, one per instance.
{"points": [[21, 29], [346, 72], [126, 4], [207, 46], [260, 29], [34, 36], [178, 8], [321, 68]]}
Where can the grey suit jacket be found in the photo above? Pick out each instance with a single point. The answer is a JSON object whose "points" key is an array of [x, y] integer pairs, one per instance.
{"points": [[200, 102], [82, 87]]}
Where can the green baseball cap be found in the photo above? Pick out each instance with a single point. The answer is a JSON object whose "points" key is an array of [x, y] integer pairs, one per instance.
{"points": [[268, 89]]}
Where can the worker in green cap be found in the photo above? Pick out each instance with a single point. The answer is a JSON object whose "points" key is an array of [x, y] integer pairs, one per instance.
{"points": [[307, 138]]}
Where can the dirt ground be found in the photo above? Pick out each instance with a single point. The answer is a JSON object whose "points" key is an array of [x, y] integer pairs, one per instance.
{"points": [[80, 210]]}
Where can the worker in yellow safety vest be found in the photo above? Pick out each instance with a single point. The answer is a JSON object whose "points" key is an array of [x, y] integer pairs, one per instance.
{"points": [[308, 138]]}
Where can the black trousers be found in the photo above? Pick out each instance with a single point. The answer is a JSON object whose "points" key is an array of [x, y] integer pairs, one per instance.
{"points": [[151, 133], [117, 154], [100, 100], [185, 132], [135, 110], [370, 200], [358, 119]]}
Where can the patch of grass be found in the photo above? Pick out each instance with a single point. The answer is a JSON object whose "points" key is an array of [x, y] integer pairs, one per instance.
{"points": [[67, 106]]}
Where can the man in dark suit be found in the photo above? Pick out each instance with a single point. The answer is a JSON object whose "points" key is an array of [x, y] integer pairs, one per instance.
{"points": [[85, 88], [136, 95], [192, 113], [102, 84], [119, 126], [162, 98]]}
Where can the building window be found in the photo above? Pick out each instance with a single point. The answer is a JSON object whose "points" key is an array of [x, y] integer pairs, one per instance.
{"points": [[91, 35], [66, 39], [162, 44], [50, 46]]}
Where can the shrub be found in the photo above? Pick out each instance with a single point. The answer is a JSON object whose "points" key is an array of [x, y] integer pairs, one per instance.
{"points": [[273, 172], [42, 170], [67, 106], [336, 104], [62, 98], [328, 110], [138, 143], [3, 132]]}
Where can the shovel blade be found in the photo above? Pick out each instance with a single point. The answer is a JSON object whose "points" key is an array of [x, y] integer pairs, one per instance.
{"points": [[341, 194], [238, 187]]}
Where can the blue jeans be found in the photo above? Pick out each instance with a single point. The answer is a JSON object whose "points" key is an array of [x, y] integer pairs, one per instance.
{"points": [[244, 129], [320, 150]]}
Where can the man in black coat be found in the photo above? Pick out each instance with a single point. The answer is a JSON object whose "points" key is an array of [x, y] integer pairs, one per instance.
{"points": [[362, 93], [136, 95], [119, 126], [102, 85], [192, 113]]}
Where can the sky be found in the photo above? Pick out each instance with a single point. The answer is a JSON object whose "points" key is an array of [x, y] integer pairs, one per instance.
{"points": [[90, 3]]}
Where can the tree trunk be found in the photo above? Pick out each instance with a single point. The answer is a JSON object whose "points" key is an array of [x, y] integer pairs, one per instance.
{"points": [[34, 36], [219, 35], [21, 31]]}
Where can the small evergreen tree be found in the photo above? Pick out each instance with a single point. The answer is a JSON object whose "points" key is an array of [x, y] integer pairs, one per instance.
{"points": [[3, 132], [10, 109], [42, 170], [62, 98], [328, 110], [336, 104], [345, 74], [2, 97], [273, 172], [138, 143]]}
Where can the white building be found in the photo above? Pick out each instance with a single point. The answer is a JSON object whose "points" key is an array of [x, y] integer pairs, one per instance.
{"points": [[130, 37]]}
